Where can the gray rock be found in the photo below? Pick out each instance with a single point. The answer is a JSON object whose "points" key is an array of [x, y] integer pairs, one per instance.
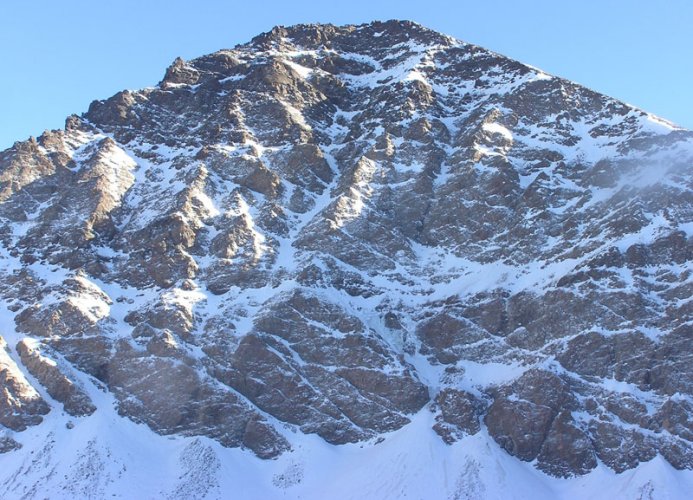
{"points": [[521, 416], [459, 414], [567, 450], [619, 448], [291, 228], [7, 444]]}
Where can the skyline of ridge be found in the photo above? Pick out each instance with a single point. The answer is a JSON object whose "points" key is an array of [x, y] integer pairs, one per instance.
{"points": [[622, 53]]}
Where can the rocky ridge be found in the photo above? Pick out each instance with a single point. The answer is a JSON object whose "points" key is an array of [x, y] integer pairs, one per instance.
{"points": [[330, 229]]}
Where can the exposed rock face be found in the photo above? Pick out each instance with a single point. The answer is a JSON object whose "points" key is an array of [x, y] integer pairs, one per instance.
{"points": [[567, 450], [459, 414], [172, 397], [320, 229], [522, 414], [8, 444], [58, 385], [20, 404]]}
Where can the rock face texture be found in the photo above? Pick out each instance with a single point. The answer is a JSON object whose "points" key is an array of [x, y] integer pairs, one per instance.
{"points": [[330, 229], [20, 404], [57, 384]]}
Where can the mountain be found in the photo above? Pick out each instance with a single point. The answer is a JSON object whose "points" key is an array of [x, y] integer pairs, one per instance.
{"points": [[359, 261]]}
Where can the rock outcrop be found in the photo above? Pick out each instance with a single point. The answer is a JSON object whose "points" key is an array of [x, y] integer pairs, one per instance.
{"points": [[61, 388], [330, 229], [20, 404]]}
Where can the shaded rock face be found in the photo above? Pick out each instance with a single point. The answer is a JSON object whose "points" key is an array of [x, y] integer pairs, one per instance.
{"points": [[8, 444], [173, 398], [522, 414], [320, 360], [567, 450], [532, 419], [459, 414], [320, 230], [540, 416]]}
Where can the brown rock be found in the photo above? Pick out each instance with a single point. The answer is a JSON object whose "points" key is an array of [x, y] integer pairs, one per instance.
{"points": [[262, 439], [20, 404], [460, 413], [619, 448], [59, 386], [522, 414], [567, 450]]}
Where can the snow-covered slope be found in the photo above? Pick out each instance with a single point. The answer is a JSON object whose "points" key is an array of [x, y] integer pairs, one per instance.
{"points": [[360, 261]]}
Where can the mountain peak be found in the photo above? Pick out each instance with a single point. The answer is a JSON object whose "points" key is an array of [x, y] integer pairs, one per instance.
{"points": [[348, 37], [337, 236]]}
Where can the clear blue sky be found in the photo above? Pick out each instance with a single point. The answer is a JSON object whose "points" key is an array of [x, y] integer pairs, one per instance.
{"points": [[58, 56]]}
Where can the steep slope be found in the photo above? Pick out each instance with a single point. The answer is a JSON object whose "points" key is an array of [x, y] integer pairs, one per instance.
{"points": [[347, 232]]}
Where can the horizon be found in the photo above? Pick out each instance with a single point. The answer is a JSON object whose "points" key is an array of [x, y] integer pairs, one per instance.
{"points": [[635, 55]]}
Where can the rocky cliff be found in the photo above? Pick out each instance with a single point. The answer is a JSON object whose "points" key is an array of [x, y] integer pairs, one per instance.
{"points": [[331, 230]]}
